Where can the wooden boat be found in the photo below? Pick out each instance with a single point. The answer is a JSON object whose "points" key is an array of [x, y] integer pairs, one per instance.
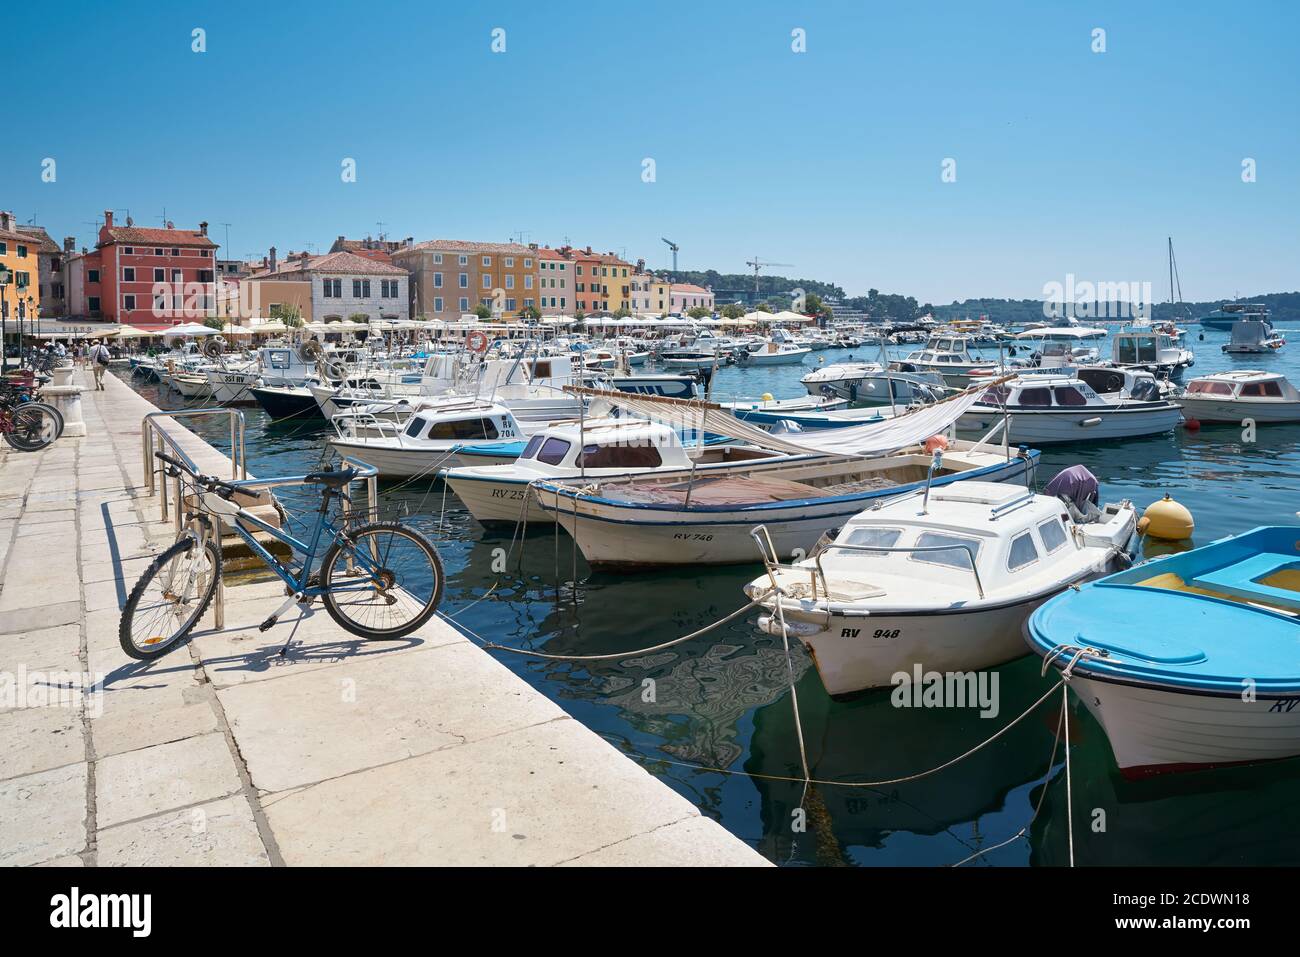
{"points": [[677, 520], [1187, 661]]}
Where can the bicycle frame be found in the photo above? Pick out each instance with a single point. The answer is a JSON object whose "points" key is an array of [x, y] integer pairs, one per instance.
{"points": [[300, 586]]}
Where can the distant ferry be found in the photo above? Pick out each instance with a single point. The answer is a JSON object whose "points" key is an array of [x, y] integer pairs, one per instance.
{"points": [[1227, 314]]}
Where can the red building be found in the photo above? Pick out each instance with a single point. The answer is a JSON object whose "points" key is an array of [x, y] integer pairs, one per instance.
{"points": [[147, 277]]}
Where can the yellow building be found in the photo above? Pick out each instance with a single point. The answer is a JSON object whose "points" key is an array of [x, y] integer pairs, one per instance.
{"points": [[615, 282], [20, 297]]}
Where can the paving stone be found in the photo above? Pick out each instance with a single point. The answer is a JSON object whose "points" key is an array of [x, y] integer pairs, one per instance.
{"points": [[39, 738], [218, 834], [124, 729], [43, 815], [363, 712], [165, 777]]}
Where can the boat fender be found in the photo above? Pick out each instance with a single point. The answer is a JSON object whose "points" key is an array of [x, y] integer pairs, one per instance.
{"points": [[936, 443], [1166, 519], [1089, 423], [1192, 425]]}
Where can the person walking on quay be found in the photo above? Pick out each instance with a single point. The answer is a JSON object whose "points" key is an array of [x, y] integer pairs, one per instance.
{"points": [[99, 358]]}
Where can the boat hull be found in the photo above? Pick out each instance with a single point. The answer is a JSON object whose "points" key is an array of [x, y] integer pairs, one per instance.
{"points": [[1090, 424], [619, 536], [286, 404], [1157, 731], [1211, 410], [406, 463]]}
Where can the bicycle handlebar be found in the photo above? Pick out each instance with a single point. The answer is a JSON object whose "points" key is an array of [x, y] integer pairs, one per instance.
{"points": [[212, 483]]}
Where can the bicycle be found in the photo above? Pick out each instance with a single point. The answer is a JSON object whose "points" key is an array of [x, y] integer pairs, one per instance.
{"points": [[27, 425], [379, 580]]}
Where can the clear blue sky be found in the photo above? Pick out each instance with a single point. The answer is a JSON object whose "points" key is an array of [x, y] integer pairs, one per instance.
{"points": [[1068, 161]]}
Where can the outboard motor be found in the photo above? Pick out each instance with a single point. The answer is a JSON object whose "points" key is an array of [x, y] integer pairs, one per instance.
{"points": [[785, 427], [1078, 489]]}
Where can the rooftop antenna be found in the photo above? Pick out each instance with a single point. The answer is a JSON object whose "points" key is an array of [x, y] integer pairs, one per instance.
{"points": [[227, 246], [381, 224], [674, 247], [761, 264]]}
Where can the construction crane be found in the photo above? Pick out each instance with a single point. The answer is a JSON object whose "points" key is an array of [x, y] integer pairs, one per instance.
{"points": [[674, 247], [760, 264]]}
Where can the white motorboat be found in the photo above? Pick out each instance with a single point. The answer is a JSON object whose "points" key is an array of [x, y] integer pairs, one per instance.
{"points": [[936, 583], [429, 439], [1155, 349], [780, 349], [949, 356], [594, 449], [874, 383], [1241, 395], [1253, 337], [1046, 408]]}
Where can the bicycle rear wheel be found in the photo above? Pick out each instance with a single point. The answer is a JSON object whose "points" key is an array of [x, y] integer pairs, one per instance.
{"points": [[54, 411], [169, 599], [33, 427], [385, 584]]}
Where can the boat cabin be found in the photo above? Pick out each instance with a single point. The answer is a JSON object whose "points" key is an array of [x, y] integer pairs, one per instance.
{"points": [[1243, 384], [1042, 392]]}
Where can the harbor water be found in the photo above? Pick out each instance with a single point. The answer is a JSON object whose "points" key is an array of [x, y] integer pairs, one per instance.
{"points": [[713, 718]]}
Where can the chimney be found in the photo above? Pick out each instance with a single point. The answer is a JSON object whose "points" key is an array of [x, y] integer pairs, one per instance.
{"points": [[7, 220], [588, 250], [203, 229], [532, 245], [640, 265], [273, 259], [108, 219], [130, 221], [69, 245]]}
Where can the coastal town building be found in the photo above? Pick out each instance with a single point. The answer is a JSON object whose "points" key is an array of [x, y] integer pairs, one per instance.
{"points": [[329, 288], [554, 282], [20, 294], [651, 295], [687, 296], [450, 277], [49, 258], [149, 278]]}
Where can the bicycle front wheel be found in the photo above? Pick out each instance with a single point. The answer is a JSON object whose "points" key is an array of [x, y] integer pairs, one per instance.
{"points": [[384, 583], [33, 427], [169, 599]]}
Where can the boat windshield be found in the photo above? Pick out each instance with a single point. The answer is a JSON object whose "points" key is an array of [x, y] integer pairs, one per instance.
{"points": [[531, 448], [876, 537], [953, 557]]}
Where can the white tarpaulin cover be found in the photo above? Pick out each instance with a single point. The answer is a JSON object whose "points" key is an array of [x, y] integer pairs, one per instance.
{"points": [[876, 438]]}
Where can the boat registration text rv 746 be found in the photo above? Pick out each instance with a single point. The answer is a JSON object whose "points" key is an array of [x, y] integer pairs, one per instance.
{"points": [[75, 909]]}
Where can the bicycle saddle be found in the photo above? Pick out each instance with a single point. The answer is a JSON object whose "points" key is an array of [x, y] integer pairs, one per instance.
{"points": [[335, 479]]}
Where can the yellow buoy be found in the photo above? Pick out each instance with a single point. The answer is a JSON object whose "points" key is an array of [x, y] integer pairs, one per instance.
{"points": [[1166, 519], [767, 397]]}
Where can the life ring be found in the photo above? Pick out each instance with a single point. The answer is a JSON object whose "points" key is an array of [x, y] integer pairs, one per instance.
{"points": [[477, 341]]}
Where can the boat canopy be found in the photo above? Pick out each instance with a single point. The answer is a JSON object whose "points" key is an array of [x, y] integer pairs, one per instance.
{"points": [[868, 440]]}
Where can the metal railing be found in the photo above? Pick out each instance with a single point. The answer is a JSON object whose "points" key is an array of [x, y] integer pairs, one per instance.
{"points": [[774, 564], [149, 427]]}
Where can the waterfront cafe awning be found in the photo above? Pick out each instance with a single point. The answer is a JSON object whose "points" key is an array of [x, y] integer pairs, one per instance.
{"points": [[187, 329], [134, 332], [346, 325]]}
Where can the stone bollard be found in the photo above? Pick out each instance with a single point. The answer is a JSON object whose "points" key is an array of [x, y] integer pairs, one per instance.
{"points": [[66, 397]]}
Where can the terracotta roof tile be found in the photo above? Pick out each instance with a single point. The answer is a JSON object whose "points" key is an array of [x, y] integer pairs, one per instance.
{"points": [[468, 246], [346, 263], [43, 239], [159, 237]]}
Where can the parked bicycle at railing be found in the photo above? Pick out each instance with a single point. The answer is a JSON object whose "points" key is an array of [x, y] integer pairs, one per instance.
{"points": [[377, 580]]}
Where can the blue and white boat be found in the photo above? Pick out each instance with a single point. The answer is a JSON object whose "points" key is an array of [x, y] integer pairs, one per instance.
{"points": [[1228, 314], [1188, 661]]}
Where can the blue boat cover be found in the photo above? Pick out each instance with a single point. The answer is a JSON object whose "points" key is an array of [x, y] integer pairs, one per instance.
{"points": [[1163, 628]]}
